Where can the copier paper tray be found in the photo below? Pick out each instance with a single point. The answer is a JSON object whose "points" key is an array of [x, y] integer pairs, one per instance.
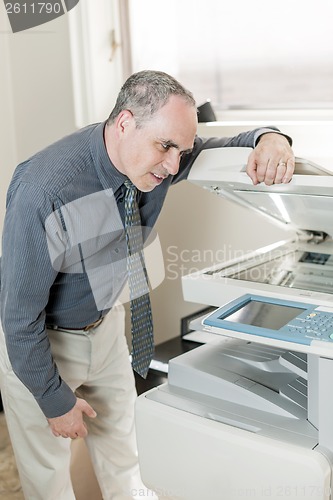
{"points": [[300, 266]]}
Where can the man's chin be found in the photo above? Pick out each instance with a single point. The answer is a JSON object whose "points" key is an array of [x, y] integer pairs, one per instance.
{"points": [[146, 189], [148, 185]]}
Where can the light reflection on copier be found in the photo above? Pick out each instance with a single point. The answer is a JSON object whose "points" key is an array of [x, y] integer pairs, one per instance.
{"points": [[297, 269]]}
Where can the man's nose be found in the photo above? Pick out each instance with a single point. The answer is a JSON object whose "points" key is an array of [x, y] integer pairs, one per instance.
{"points": [[172, 161]]}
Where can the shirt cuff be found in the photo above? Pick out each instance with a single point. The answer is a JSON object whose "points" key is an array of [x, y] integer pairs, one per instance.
{"points": [[59, 402], [264, 131]]}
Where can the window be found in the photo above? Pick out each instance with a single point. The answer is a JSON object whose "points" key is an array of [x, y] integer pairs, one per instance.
{"points": [[239, 54]]}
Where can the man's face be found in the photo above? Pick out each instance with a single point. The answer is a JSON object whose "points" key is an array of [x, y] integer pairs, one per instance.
{"points": [[147, 155]]}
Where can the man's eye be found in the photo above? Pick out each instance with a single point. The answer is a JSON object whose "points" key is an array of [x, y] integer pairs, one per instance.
{"points": [[165, 146]]}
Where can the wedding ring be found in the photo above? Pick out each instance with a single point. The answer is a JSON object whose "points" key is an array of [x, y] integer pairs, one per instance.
{"points": [[282, 164]]}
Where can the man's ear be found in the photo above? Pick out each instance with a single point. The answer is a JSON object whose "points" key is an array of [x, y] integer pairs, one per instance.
{"points": [[125, 118]]}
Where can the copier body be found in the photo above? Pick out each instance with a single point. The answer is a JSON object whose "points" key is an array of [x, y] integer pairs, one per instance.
{"points": [[248, 416]]}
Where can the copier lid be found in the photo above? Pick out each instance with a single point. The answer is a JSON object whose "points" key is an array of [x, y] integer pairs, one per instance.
{"points": [[305, 204]]}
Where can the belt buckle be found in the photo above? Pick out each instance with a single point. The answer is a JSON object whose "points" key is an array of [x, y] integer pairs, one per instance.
{"points": [[93, 325]]}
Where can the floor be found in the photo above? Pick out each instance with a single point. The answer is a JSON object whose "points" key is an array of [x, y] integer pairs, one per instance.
{"points": [[10, 488]]}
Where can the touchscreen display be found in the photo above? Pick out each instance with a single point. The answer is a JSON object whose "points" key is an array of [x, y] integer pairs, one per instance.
{"points": [[263, 314]]}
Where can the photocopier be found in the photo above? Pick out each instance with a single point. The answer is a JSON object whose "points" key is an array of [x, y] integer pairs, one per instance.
{"points": [[250, 414]]}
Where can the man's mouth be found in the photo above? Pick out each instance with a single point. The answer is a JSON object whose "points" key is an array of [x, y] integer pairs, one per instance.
{"points": [[159, 177]]}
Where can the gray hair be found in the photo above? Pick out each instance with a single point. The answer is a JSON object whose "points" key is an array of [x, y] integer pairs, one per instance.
{"points": [[146, 92]]}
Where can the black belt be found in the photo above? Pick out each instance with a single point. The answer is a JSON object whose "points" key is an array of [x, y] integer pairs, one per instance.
{"points": [[83, 329]]}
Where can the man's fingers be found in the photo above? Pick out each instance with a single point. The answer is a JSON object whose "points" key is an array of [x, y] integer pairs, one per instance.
{"points": [[90, 412], [81, 432], [289, 171], [284, 171], [272, 160], [266, 172], [270, 171], [251, 168], [71, 424], [86, 408], [280, 171]]}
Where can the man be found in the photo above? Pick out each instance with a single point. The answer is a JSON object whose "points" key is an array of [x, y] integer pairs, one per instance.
{"points": [[67, 373]]}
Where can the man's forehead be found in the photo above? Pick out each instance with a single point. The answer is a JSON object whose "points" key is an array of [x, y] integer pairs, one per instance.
{"points": [[175, 123]]}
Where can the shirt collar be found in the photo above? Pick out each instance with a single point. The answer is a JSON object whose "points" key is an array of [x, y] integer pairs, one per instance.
{"points": [[108, 175]]}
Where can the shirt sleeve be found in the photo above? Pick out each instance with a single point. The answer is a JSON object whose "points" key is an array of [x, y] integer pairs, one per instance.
{"points": [[27, 275], [245, 139]]}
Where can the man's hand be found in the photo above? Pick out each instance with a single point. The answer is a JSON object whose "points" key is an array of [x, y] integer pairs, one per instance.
{"points": [[71, 425], [272, 161]]}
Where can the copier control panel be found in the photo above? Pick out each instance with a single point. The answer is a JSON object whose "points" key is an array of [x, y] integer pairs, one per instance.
{"points": [[274, 318]]}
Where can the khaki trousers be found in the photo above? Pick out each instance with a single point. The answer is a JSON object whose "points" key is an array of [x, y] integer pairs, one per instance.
{"points": [[96, 366]]}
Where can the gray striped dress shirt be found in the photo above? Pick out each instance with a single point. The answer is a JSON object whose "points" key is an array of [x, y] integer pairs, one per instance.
{"points": [[63, 230]]}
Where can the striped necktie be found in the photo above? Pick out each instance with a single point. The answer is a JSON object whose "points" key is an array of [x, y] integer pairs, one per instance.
{"points": [[141, 317]]}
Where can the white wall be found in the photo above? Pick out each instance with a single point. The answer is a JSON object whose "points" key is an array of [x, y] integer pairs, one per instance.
{"points": [[7, 135], [37, 101], [36, 92]]}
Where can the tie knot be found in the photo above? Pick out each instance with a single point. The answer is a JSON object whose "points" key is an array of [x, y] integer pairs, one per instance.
{"points": [[130, 197], [129, 185]]}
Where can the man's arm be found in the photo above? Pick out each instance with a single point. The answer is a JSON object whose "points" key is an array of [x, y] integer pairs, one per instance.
{"points": [[26, 278], [270, 147]]}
